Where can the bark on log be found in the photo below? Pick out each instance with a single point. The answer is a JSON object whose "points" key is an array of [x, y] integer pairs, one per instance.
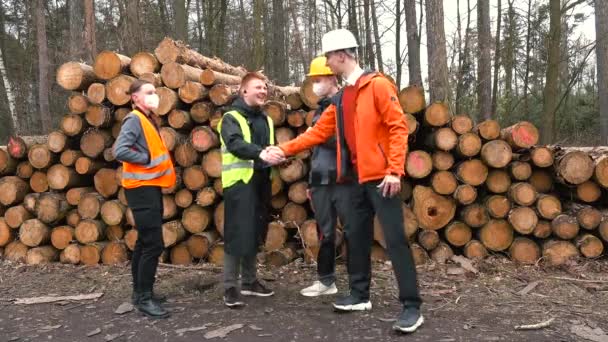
{"points": [[117, 88], [175, 75], [521, 135], [110, 64], [39, 182], [472, 172], [200, 244], [433, 211], [96, 93], [195, 219], [496, 235], [549, 206], [41, 157], [523, 220], [210, 77], [170, 50], [565, 227], [51, 207], [143, 62], [475, 250], [556, 252], [173, 232], [590, 246], [496, 153], [437, 115], [88, 231], [419, 164], [62, 236], [191, 92], [73, 125], [442, 161], [458, 234], [524, 251], [498, 181], [75, 76], [62, 178], [106, 183], [152, 78], [523, 194], [41, 255], [12, 190], [462, 124], [465, 194], [34, 233]]}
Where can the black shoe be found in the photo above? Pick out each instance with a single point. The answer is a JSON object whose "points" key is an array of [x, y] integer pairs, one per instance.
{"points": [[409, 320], [232, 299], [256, 289], [351, 303], [150, 307], [158, 298]]}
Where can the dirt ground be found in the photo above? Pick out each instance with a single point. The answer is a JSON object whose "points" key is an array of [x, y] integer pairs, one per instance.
{"points": [[458, 305]]}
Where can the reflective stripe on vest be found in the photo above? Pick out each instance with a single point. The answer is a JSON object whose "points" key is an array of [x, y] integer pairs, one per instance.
{"points": [[159, 171], [233, 168]]}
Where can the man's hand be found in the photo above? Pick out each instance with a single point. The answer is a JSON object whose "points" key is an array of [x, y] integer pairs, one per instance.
{"points": [[272, 155], [390, 186]]}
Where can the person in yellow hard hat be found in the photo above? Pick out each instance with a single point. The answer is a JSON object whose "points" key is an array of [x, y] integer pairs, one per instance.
{"points": [[328, 198]]}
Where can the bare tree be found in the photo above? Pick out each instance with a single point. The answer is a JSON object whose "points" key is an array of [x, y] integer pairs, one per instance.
{"points": [[8, 88], [528, 51], [601, 32], [181, 20], [90, 42], [484, 68], [464, 61], [369, 49], [413, 43], [377, 40], [43, 67], [76, 22], [551, 92], [496, 58], [437, 55]]}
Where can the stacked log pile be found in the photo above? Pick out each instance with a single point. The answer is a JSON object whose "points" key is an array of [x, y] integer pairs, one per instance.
{"points": [[470, 189]]}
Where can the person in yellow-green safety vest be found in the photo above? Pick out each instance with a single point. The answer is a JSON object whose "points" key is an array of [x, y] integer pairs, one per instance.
{"points": [[245, 132]]}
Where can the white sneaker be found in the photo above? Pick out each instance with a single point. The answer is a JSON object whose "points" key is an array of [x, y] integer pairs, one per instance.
{"points": [[318, 289]]}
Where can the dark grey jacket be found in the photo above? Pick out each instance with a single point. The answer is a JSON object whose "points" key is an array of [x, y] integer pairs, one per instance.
{"points": [[323, 160], [131, 145]]}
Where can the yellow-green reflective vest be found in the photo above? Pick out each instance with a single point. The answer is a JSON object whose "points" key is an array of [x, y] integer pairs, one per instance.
{"points": [[235, 169]]}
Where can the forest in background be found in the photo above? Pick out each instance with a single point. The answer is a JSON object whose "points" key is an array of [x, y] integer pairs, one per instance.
{"points": [[510, 60]]}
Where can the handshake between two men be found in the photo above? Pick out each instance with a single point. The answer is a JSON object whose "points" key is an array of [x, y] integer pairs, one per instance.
{"points": [[273, 155]]}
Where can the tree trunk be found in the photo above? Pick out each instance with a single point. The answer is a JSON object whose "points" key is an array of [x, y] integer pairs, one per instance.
{"points": [[413, 43], [43, 67], [437, 55], [377, 42], [181, 20], [601, 51], [10, 96], [484, 70], [90, 42], [496, 57], [551, 91]]}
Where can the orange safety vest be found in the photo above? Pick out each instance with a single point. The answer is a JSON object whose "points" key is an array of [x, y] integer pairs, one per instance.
{"points": [[159, 171]]}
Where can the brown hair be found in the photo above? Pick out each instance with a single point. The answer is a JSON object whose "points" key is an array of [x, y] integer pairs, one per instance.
{"points": [[136, 85], [254, 75]]}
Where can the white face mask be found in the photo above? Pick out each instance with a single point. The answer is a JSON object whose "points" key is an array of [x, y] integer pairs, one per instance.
{"points": [[152, 101], [320, 89]]}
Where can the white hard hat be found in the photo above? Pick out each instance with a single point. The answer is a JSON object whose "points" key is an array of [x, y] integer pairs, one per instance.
{"points": [[340, 39]]}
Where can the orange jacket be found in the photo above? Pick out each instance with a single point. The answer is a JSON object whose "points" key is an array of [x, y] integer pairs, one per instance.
{"points": [[380, 128], [159, 171]]}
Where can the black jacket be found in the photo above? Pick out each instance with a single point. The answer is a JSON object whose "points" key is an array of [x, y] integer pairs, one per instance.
{"points": [[233, 137], [323, 161]]}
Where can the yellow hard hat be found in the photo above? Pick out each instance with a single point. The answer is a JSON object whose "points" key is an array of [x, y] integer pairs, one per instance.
{"points": [[318, 67]]}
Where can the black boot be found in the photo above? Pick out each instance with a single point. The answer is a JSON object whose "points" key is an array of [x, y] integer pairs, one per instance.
{"points": [[150, 307], [158, 298]]}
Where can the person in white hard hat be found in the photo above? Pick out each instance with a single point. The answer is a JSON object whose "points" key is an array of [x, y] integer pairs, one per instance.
{"points": [[371, 146]]}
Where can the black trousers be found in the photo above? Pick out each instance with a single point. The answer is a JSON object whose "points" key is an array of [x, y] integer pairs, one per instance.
{"points": [[146, 203], [330, 202], [365, 201]]}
